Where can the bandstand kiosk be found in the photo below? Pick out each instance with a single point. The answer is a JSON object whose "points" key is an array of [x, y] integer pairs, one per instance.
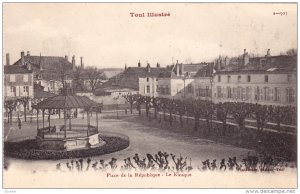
{"points": [[68, 136]]}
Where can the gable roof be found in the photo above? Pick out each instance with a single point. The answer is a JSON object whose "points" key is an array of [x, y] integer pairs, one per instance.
{"points": [[16, 69], [272, 64], [47, 65]]}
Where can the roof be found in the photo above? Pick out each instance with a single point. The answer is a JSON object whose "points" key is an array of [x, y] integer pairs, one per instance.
{"points": [[272, 64], [38, 94], [143, 71], [16, 69], [108, 73], [206, 71], [66, 102], [192, 70], [46, 65]]}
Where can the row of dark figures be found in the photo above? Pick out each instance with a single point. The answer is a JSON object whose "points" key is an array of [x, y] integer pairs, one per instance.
{"points": [[161, 162]]}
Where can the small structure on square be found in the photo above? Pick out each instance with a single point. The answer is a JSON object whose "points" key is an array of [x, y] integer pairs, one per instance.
{"points": [[68, 136]]}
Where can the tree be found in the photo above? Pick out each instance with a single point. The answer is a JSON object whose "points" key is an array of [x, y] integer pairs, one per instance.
{"points": [[262, 115], [155, 104], [94, 77], [9, 106], [222, 110], [78, 81], [280, 114], [181, 109], [25, 102], [193, 107], [206, 110], [240, 111], [130, 98], [139, 101], [291, 52], [171, 105]]}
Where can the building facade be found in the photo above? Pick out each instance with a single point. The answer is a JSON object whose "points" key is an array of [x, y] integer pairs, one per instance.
{"points": [[18, 84], [269, 80]]}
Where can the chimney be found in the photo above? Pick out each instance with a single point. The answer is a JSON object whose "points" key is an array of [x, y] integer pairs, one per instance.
{"points": [[139, 63], [181, 69], [226, 61], [268, 53], [66, 57], [28, 53], [245, 58], [7, 59], [148, 67], [81, 62], [177, 68], [158, 65], [22, 58], [73, 62], [125, 67]]}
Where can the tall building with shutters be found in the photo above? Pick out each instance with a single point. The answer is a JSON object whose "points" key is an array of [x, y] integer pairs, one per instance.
{"points": [[268, 80]]}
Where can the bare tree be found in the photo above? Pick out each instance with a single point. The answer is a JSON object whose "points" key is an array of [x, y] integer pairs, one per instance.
{"points": [[94, 77]]}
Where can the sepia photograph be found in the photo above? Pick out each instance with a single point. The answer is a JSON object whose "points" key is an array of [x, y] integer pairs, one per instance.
{"points": [[150, 95]]}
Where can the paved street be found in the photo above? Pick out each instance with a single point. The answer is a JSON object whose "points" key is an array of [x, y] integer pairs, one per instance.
{"points": [[142, 140]]}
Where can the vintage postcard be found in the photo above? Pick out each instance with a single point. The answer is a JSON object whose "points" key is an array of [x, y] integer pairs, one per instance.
{"points": [[150, 95]]}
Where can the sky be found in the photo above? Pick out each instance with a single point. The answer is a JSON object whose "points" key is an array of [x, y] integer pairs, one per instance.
{"points": [[106, 35]]}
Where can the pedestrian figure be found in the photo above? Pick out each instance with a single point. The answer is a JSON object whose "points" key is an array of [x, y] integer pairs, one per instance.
{"points": [[222, 164], [19, 123], [214, 165]]}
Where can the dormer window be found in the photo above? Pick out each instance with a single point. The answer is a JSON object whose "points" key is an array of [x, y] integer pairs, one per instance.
{"points": [[266, 78], [147, 79]]}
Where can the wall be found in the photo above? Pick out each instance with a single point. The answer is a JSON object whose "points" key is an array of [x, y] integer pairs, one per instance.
{"points": [[279, 81]]}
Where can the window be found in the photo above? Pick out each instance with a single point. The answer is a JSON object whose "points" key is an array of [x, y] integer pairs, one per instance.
{"points": [[148, 89], [147, 79], [266, 78], [219, 92], [289, 78], [266, 94], [244, 93], [190, 88], [208, 91], [25, 78], [276, 94], [13, 90], [257, 93], [290, 95], [248, 93], [12, 78], [248, 78], [219, 78], [26, 89], [239, 93], [157, 88], [229, 95], [228, 78], [239, 78]]}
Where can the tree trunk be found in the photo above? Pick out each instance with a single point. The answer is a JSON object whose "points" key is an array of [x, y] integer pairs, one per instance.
{"points": [[224, 127], [11, 112], [139, 108], [196, 122], [164, 112], [155, 112], [131, 105], [25, 115], [171, 119], [180, 118]]}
